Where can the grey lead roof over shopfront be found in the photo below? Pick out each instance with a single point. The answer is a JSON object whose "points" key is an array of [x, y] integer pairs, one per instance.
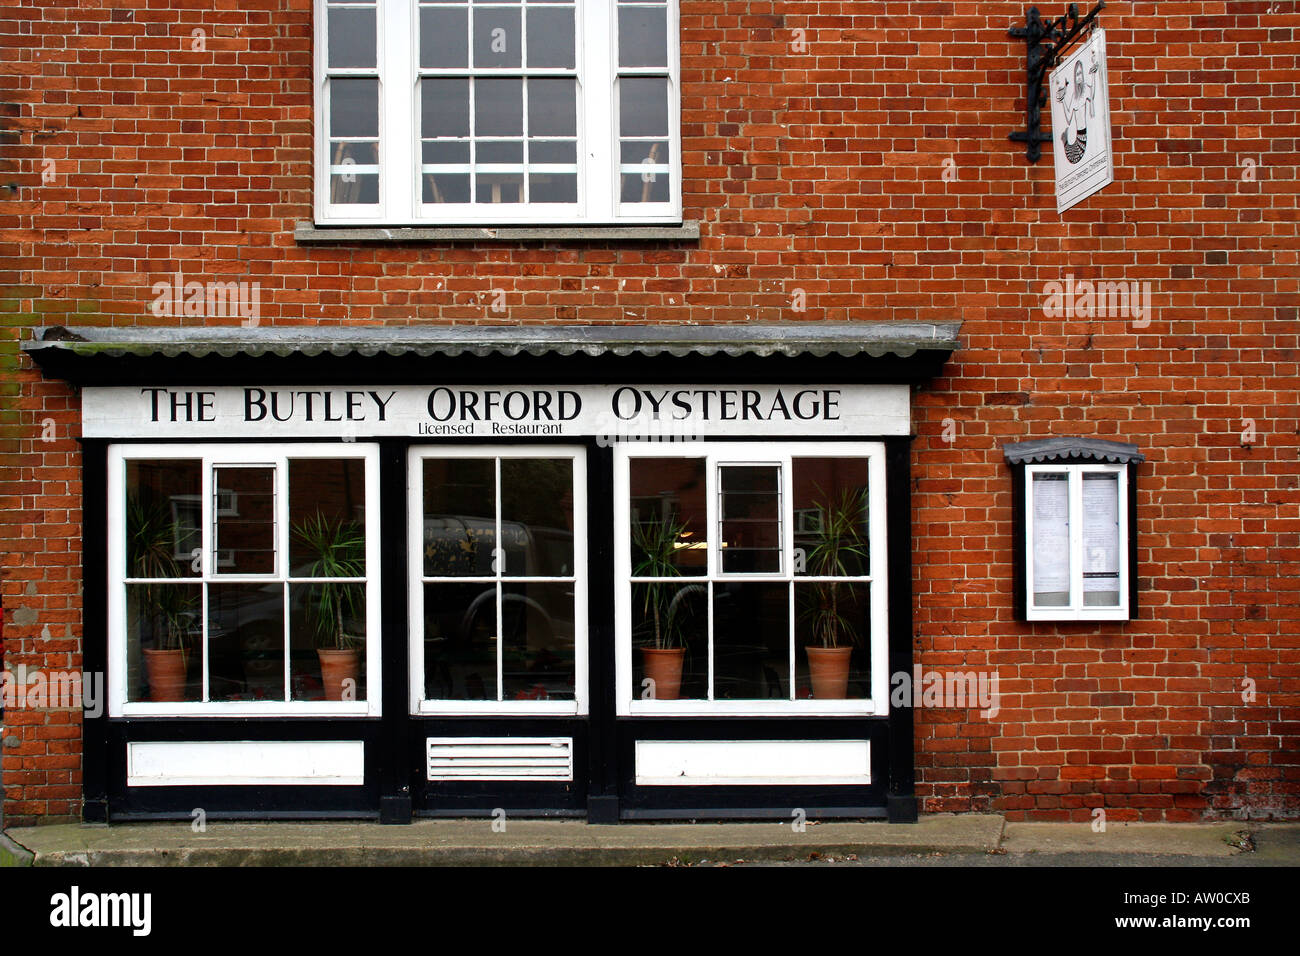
{"points": [[792, 339]]}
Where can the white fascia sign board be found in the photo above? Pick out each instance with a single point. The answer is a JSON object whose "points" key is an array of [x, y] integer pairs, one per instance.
{"points": [[617, 412]]}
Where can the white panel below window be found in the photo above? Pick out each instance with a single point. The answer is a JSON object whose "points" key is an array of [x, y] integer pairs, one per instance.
{"points": [[225, 763], [669, 763]]}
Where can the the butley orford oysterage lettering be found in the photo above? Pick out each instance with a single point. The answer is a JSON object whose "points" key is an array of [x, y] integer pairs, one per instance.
{"points": [[700, 409]]}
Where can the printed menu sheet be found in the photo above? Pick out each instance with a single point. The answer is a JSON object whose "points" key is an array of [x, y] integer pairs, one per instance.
{"points": [[1100, 533], [1051, 534]]}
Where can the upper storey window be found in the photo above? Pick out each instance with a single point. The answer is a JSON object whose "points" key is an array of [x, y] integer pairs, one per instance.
{"points": [[497, 112]]}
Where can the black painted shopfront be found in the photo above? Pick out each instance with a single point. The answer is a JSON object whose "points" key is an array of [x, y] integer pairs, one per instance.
{"points": [[499, 528]]}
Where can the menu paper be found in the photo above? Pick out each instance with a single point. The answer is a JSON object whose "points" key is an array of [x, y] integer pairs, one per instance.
{"points": [[1101, 533], [1051, 534]]}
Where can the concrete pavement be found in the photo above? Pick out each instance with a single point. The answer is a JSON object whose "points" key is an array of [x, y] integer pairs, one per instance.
{"points": [[474, 842]]}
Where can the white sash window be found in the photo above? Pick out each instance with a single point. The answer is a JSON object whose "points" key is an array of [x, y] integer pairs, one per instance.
{"points": [[497, 112]]}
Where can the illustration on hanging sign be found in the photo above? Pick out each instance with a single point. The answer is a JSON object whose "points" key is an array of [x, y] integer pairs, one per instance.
{"points": [[1081, 123]]}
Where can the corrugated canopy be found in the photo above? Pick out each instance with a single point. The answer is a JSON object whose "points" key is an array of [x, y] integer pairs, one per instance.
{"points": [[882, 351], [876, 339]]}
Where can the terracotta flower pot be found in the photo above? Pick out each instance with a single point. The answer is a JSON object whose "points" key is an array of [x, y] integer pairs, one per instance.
{"points": [[664, 667], [336, 667], [828, 669], [166, 674]]}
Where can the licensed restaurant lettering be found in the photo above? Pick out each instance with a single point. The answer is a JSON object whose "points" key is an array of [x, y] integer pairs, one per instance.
{"points": [[629, 411]]}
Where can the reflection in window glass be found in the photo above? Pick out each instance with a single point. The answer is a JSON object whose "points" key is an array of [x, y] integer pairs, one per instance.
{"points": [[480, 143], [244, 506], [670, 629], [459, 517], [232, 632], [327, 517], [748, 624], [460, 644], [751, 641], [538, 641], [750, 511], [537, 516], [498, 519], [163, 518], [164, 639], [831, 516], [351, 33], [327, 636], [246, 641], [832, 620], [669, 517], [354, 140]]}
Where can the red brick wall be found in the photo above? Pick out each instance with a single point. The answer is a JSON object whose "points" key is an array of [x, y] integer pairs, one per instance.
{"points": [[821, 171]]}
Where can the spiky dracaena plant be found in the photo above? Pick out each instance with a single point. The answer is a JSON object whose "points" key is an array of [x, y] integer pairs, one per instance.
{"points": [[151, 535], [838, 541], [656, 540], [337, 549]]}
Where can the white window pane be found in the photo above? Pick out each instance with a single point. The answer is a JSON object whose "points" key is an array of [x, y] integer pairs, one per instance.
{"points": [[552, 107], [497, 38], [552, 152], [499, 187], [642, 36], [444, 107], [444, 37], [445, 152], [353, 173], [551, 37], [354, 108], [496, 152], [351, 38], [499, 107], [446, 187], [643, 106], [645, 152], [648, 181], [552, 188]]}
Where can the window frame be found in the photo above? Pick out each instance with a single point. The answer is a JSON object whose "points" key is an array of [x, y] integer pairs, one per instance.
{"points": [[223, 454], [397, 68], [1076, 611], [419, 705], [718, 454]]}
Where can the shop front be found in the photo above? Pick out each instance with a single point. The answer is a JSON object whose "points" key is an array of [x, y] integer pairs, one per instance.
{"points": [[623, 573]]}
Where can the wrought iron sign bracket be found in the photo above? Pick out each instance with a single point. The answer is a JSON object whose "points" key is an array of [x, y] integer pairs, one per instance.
{"points": [[1046, 42]]}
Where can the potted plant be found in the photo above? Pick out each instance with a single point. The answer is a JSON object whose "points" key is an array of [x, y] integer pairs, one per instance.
{"points": [[656, 539], [151, 535], [837, 541], [337, 550]]}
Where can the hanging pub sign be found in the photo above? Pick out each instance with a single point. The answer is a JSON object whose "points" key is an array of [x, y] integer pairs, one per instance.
{"points": [[1081, 139], [618, 412]]}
